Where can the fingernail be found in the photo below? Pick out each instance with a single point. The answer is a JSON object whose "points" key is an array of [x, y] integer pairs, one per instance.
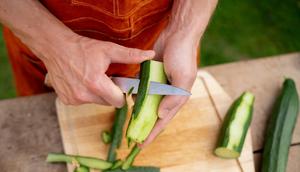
{"points": [[162, 113]]}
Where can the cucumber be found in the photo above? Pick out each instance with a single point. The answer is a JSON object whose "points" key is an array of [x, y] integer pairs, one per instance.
{"points": [[117, 132], [81, 169], [130, 158], [144, 113], [116, 164], [235, 127], [85, 161], [137, 169], [106, 137], [280, 129]]}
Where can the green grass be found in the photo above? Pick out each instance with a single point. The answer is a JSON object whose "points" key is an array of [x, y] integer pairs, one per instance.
{"points": [[239, 30], [7, 88], [250, 29]]}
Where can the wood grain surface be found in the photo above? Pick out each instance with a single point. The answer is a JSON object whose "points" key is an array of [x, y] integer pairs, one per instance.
{"points": [[185, 145]]}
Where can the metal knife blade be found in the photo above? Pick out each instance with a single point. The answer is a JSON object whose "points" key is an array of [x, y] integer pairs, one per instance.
{"points": [[155, 87]]}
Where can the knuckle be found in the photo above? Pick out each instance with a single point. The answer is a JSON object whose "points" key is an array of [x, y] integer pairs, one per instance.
{"points": [[78, 96], [189, 75], [130, 53], [134, 53]]}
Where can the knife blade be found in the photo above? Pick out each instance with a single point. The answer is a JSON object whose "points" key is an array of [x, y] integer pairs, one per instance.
{"points": [[155, 87]]}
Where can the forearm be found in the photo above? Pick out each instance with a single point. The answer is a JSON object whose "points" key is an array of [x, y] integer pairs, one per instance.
{"points": [[33, 24], [191, 17]]}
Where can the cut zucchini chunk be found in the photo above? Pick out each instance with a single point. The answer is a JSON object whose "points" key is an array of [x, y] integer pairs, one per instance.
{"points": [[235, 127], [144, 113]]}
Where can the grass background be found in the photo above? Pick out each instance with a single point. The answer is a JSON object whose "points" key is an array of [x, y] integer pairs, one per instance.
{"points": [[239, 30], [7, 88]]}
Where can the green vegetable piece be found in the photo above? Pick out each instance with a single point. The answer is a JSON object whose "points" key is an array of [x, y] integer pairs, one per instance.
{"points": [[106, 137], [130, 90], [117, 132], [117, 164], [144, 113], [235, 127], [137, 169], [84, 161], [81, 169], [130, 158], [280, 129]]}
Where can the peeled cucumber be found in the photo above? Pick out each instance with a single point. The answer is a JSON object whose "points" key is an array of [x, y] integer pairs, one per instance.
{"points": [[235, 127], [144, 113]]}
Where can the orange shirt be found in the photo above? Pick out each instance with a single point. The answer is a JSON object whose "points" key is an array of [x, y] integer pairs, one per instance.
{"points": [[131, 23]]}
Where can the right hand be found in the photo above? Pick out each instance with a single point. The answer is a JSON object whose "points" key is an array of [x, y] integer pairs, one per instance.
{"points": [[77, 70], [76, 65]]}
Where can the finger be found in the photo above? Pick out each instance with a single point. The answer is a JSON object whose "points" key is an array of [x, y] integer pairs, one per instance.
{"points": [[180, 80], [130, 55], [158, 128], [170, 103], [85, 96], [97, 100], [107, 90]]}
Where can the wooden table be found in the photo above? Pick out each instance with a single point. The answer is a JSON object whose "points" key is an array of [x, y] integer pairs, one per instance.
{"points": [[29, 128], [263, 77]]}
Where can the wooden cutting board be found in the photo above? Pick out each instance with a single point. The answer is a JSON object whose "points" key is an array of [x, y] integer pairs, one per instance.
{"points": [[186, 144]]}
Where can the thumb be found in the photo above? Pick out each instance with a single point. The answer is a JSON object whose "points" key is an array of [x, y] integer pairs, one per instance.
{"points": [[120, 54], [174, 103], [170, 103]]}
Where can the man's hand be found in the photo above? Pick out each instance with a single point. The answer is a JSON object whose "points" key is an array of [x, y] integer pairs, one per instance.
{"points": [[177, 47], [179, 55], [77, 70], [76, 65]]}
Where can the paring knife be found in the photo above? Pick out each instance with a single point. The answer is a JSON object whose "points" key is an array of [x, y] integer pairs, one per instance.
{"points": [[155, 87]]}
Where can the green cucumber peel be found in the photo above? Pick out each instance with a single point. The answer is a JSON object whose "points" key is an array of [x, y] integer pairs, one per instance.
{"points": [[81, 160], [137, 169], [106, 137], [117, 132], [130, 90], [117, 164], [130, 158], [81, 169], [143, 88]]}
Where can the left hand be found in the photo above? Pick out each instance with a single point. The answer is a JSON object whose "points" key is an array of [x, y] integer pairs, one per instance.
{"points": [[179, 54]]}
